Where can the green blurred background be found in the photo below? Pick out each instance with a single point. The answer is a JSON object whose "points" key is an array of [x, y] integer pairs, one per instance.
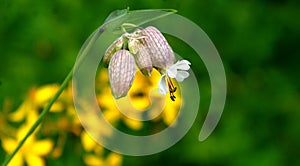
{"points": [[258, 41]]}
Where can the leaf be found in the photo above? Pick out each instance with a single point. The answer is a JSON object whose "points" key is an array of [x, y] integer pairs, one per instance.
{"points": [[115, 14], [138, 17]]}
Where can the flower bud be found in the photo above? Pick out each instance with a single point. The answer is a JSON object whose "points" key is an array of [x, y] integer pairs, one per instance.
{"points": [[133, 45], [142, 56], [161, 53], [115, 46], [121, 71]]}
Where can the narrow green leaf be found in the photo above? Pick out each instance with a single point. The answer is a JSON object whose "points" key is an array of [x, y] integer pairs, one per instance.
{"points": [[138, 17], [115, 14]]}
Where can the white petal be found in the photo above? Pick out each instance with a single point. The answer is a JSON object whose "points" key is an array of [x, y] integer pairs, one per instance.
{"points": [[183, 65], [162, 85], [181, 75], [172, 71]]}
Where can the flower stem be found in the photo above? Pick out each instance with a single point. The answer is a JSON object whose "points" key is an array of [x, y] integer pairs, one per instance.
{"points": [[42, 115], [127, 25], [81, 55]]}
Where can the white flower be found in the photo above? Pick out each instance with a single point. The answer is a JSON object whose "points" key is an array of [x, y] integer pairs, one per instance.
{"points": [[177, 71]]}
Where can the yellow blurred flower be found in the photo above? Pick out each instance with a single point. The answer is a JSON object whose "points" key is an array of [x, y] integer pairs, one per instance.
{"points": [[5, 128], [142, 95], [37, 100], [33, 150], [95, 153], [42, 95], [113, 159], [140, 89], [89, 144]]}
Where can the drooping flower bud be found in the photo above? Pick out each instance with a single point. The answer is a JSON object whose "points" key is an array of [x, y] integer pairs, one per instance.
{"points": [[142, 56], [115, 46], [133, 45], [162, 54], [121, 71]]}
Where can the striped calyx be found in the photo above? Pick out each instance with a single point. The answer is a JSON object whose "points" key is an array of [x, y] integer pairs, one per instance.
{"points": [[115, 46], [142, 55], [121, 71], [161, 53]]}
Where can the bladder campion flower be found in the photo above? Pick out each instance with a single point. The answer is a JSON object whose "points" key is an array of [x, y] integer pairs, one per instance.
{"points": [[177, 71], [148, 49]]}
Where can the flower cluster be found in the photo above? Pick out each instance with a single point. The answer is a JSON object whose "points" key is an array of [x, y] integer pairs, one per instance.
{"points": [[147, 49]]}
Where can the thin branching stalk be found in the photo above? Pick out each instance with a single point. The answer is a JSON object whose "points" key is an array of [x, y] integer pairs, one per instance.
{"points": [[52, 101], [39, 120]]}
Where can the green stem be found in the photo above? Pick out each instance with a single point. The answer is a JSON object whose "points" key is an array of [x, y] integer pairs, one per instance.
{"points": [[42, 115], [127, 25], [55, 97]]}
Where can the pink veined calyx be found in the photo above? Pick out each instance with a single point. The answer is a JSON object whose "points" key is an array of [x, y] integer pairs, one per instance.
{"points": [[144, 49]]}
